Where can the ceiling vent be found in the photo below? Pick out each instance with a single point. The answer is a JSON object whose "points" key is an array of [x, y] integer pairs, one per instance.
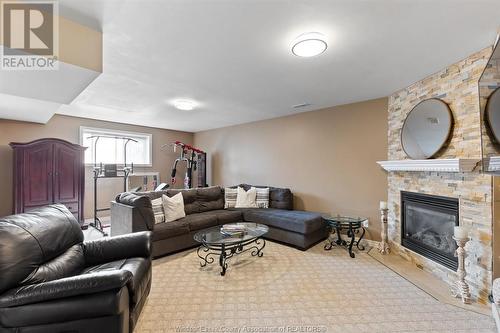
{"points": [[302, 105]]}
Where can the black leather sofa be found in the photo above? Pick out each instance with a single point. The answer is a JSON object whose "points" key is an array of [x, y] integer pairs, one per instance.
{"points": [[204, 207], [52, 281]]}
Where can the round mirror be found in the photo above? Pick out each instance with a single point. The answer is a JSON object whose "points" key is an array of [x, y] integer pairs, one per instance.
{"points": [[493, 114], [426, 129]]}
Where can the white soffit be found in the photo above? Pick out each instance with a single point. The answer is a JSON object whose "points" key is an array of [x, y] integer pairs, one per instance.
{"points": [[26, 109], [35, 95], [59, 86]]}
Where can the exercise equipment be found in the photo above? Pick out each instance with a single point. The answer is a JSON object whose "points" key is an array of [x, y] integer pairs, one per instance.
{"points": [[194, 158], [162, 187], [202, 169], [144, 181], [109, 171], [135, 189]]}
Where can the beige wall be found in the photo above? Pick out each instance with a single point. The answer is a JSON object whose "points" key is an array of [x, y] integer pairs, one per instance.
{"points": [[327, 157], [68, 128]]}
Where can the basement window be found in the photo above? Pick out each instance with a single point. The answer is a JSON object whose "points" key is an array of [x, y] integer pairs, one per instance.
{"points": [[106, 146]]}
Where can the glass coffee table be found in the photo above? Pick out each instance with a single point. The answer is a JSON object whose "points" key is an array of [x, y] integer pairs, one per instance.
{"points": [[352, 226], [215, 244]]}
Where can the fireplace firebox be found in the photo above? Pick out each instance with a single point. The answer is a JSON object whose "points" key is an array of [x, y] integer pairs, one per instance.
{"points": [[427, 223]]}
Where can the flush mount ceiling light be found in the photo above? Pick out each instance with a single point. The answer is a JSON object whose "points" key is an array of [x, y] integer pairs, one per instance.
{"points": [[309, 44], [184, 104]]}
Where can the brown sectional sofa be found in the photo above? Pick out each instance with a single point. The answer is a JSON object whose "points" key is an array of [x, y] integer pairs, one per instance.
{"points": [[204, 207]]}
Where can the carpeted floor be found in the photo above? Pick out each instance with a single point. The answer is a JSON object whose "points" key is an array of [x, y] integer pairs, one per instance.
{"points": [[288, 290]]}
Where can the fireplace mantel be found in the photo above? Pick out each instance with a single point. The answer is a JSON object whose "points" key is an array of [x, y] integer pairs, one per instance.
{"points": [[441, 165], [493, 163]]}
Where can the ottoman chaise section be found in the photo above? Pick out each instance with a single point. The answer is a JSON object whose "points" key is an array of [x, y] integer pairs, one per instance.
{"points": [[292, 220]]}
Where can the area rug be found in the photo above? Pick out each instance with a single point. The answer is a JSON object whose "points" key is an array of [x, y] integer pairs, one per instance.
{"points": [[288, 290]]}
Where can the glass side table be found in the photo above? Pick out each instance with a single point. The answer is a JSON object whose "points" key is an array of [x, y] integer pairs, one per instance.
{"points": [[352, 226]]}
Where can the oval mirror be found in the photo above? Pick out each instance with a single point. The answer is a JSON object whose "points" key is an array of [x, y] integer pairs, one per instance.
{"points": [[493, 114], [426, 129]]}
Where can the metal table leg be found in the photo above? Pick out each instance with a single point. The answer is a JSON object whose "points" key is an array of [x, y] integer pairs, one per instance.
{"points": [[350, 233], [222, 260], [207, 252], [361, 248]]}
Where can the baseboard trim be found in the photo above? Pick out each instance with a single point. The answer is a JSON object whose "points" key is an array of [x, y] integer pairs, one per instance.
{"points": [[370, 243]]}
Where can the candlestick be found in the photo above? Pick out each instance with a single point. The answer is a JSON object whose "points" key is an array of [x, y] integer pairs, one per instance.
{"points": [[383, 204], [383, 246], [461, 232], [461, 288]]}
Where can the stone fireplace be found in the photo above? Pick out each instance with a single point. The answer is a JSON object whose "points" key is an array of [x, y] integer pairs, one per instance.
{"points": [[469, 193], [427, 224]]}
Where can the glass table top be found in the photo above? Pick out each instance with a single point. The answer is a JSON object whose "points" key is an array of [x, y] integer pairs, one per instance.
{"points": [[214, 235], [344, 219]]}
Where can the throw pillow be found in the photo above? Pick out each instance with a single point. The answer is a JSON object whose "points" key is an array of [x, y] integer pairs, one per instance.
{"points": [[246, 199], [262, 198], [230, 195], [173, 207], [158, 210]]}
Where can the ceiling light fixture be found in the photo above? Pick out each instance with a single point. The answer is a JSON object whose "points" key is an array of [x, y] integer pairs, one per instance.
{"points": [[184, 104], [309, 44]]}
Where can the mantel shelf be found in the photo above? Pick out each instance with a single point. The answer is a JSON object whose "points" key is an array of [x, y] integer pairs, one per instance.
{"points": [[442, 165]]}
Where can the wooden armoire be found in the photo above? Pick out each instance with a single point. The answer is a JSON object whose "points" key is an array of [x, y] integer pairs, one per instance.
{"points": [[48, 171]]}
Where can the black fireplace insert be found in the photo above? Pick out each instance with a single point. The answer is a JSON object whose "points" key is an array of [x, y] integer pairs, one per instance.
{"points": [[427, 225]]}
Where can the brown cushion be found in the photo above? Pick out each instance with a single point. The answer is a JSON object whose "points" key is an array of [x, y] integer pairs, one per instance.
{"points": [[170, 229], [279, 198], [200, 221], [226, 216], [191, 205], [210, 198]]}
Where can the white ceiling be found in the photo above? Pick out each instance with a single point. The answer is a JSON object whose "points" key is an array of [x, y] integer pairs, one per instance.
{"points": [[233, 56]]}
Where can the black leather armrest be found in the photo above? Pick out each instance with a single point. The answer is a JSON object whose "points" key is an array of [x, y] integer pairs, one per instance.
{"points": [[67, 287], [137, 244]]}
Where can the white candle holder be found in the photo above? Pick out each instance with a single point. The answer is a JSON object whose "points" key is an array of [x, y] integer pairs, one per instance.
{"points": [[461, 288], [383, 246]]}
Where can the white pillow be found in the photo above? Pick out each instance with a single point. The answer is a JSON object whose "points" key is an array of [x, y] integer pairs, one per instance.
{"points": [[173, 207], [262, 200], [230, 195], [246, 199], [158, 210]]}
